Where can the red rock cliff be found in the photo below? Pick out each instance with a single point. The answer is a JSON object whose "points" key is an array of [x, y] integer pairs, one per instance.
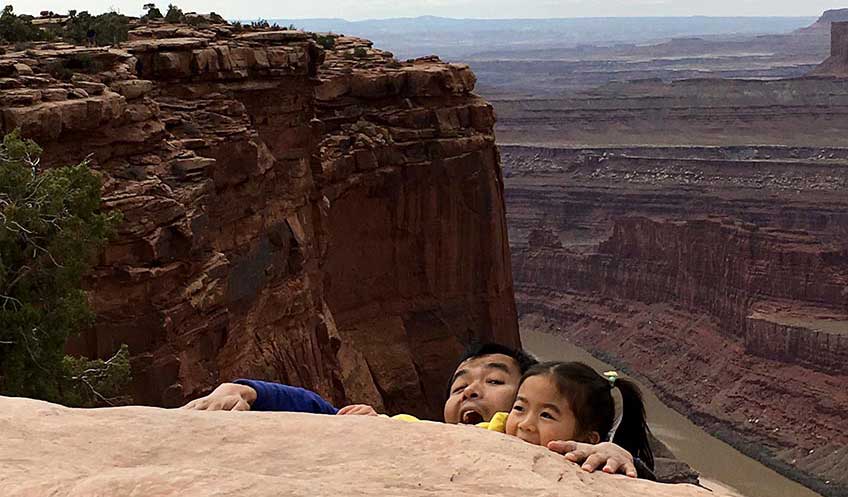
{"points": [[332, 220]]}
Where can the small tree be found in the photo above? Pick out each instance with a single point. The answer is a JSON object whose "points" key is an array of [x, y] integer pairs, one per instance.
{"points": [[174, 15], [152, 11], [51, 228], [14, 28], [109, 29]]}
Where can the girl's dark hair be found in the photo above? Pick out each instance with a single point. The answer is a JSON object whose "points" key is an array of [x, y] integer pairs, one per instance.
{"points": [[590, 397]]}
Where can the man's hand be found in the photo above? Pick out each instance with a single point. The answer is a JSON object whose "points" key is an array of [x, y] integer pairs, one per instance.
{"points": [[357, 410], [227, 397], [613, 458]]}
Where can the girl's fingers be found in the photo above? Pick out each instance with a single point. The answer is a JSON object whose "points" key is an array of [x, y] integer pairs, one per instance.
{"points": [[357, 410]]}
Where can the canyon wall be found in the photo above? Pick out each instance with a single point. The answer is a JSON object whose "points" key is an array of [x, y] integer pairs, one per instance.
{"points": [[717, 274], [332, 219], [695, 233]]}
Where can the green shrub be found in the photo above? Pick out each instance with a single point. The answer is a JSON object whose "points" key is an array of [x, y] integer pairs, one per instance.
{"points": [[327, 42], [51, 229], [174, 15], [14, 28], [152, 11], [360, 53], [64, 69], [110, 28]]}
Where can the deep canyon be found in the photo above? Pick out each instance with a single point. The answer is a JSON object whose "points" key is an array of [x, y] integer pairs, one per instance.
{"points": [[694, 232], [337, 219]]}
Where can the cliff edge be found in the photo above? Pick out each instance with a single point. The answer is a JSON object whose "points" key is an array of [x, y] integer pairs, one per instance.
{"points": [[327, 218], [157, 453]]}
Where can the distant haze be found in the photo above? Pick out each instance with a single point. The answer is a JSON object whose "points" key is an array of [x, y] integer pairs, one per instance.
{"points": [[371, 9], [461, 39]]}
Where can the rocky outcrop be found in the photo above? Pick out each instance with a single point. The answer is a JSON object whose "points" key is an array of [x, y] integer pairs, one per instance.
{"points": [[332, 219], [104, 452], [718, 274], [837, 63]]}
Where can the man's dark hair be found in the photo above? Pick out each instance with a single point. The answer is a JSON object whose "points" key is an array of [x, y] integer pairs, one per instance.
{"points": [[523, 358]]}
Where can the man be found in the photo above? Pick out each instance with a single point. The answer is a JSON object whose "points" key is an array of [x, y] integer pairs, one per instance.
{"points": [[484, 382]]}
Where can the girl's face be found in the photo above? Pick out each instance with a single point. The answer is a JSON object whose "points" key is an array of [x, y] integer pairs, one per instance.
{"points": [[540, 413]]}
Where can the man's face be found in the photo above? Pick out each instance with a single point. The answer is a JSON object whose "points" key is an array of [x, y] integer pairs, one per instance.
{"points": [[481, 387]]}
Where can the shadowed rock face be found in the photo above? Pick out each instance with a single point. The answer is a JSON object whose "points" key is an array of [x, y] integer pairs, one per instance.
{"points": [[103, 452], [324, 219]]}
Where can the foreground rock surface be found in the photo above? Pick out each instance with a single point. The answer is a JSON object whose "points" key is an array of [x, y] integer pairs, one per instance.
{"points": [[156, 453]]}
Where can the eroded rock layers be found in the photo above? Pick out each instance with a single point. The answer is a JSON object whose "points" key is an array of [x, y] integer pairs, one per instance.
{"points": [[329, 219], [719, 274]]}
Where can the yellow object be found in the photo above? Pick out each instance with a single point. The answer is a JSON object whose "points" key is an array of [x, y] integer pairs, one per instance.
{"points": [[497, 423], [406, 417]]}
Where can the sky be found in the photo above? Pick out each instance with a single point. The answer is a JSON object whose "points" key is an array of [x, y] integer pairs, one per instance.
{"points": [[375, 9]]}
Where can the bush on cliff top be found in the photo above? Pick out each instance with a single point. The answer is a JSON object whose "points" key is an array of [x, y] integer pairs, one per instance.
{"points": [[51, 228], [152, 12], [110, 28], [16, 29], [174, 14]]}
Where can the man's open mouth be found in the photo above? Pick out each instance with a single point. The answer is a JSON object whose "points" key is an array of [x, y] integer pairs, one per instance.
{"points": [[472, 418]]}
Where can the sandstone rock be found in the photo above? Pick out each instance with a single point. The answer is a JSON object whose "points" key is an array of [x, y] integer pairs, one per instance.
{"points": [[23, 70], [172, 64], [837, 63], [90, 87], [167, 44], [273, 229], [132, 88], [273, 36], [134, 450]]}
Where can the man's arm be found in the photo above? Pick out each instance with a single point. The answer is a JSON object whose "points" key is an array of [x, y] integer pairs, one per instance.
{"points": [[243, 395]]}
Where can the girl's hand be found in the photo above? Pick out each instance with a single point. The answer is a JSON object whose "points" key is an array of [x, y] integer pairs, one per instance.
{"points": [[357, 410], [612, 457]]}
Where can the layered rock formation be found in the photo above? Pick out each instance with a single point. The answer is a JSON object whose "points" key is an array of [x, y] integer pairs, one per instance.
{"points": [[719, 274], [837, 63], [328, 219], [103, 452]]}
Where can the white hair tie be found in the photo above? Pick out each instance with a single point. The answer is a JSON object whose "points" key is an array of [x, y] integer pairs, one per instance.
{"points": [[617, 401]]}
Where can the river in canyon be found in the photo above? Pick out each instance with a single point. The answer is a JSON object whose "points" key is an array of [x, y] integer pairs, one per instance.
{"points": [[714, 459]]}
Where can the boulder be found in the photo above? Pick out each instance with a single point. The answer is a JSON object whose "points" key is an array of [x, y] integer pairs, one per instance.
{"points": [[155, 452]]}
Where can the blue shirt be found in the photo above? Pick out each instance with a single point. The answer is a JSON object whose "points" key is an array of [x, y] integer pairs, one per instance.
{"points": [[277, 397]]}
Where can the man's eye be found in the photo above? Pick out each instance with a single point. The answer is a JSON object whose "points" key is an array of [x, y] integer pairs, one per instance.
{"points": [[496, 382], [458, 389]]}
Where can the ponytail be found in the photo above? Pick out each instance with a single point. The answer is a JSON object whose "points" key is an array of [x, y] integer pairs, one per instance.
{"points": [[592, 400], [633, 432]]}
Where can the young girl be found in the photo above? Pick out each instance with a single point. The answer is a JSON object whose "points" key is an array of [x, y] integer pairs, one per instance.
{"points": [[570, 401]]}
